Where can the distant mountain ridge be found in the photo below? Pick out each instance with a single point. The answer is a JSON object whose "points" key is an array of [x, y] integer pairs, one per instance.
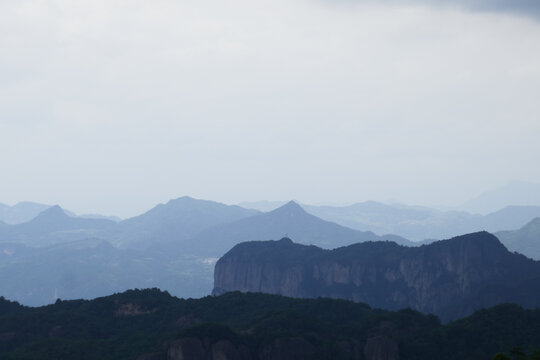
{"points": [[21, 212], [53, 226], [517, 193], [176, 221], [81, 257], [181, 238], [419, 223], [450, 278], [525, 240], [288, 220]]}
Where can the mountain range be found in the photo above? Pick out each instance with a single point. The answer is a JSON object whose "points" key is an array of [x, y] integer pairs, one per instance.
{"points": [[173, 246], [180, 239], [184, 218], [21, 212], [53, 226], [514, 193], [525, 240], [288, 220], [176, 221], [420, 223], [26, 211]]}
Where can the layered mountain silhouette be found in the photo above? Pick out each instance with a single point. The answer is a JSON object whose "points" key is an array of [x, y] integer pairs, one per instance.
{"points": [[55, 254], [93, 267], [450, 278], [54, 226], [514, 193], [178, 240], [288, 220], [21, 212], [173, 246], [525, 240], [420, 223], [177, 220]]}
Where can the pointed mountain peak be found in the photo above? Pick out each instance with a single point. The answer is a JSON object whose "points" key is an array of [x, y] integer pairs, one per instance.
{"points": [[54, 212], [182, 199], [291, 207]]}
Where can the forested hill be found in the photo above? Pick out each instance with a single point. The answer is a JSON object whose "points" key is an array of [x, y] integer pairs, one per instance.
{"points": [[150, 324]]}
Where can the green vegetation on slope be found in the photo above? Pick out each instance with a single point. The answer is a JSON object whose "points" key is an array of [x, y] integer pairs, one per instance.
{"points": [[136, 322]]}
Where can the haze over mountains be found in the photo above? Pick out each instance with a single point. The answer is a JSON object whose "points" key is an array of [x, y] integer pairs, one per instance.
{"points": [[513, 193], [176, 221], [21, 212], [174, 245], [419, 223], [26, 211], [507, 208], [53, 226], [525, 240], [93, 267], [288, 220]]}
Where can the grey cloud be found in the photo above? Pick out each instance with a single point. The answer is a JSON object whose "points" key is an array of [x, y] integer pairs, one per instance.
{"points": [[529, 8]]}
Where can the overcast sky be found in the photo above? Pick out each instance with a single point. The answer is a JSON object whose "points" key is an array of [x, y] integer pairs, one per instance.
{"points": [[114, 106]]}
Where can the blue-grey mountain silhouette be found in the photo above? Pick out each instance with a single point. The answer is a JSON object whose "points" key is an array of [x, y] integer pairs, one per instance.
{"points": [[525, 240]]}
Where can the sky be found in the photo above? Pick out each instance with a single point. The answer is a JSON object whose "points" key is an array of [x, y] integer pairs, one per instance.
{"points": [[114, 106]]}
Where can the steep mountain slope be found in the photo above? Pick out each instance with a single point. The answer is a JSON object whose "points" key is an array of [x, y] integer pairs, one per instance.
{"points": [[54, 226], [420, 223], [525, 240], [288, 220], [449, 278], [177, 220]]}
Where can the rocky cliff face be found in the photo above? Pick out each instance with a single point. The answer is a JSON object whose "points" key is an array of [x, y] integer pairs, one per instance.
{"points": [[450, 278]]}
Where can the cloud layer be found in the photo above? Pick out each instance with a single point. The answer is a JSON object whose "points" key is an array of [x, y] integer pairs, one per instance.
{"points": [[529, 8], [112, 106]]}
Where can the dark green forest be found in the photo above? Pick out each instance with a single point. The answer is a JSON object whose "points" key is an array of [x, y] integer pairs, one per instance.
{"points": [[137, 322]]}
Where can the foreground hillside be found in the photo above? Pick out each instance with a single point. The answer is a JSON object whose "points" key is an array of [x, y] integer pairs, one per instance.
{"points": [[150, 324], [450, 278]]}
